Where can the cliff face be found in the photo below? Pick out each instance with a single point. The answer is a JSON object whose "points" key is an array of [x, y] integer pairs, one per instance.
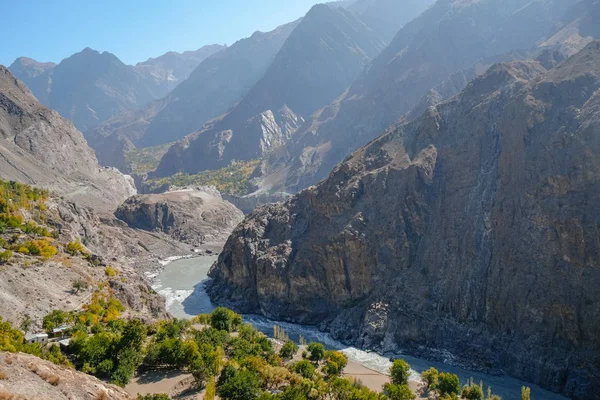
{"points": [[473, 229], [191, 216]]}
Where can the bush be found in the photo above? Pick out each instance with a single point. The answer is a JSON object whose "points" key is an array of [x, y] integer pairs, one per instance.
{"points": [[288, 350], [448, 384], [525, 393], [110, 272], [75, 248], [400, 372], [5, 256], [160, 396], [317, 352], [305, 369]]}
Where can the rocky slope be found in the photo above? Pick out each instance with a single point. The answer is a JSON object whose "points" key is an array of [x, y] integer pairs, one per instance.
{"points": [[320, 59], [39, 147], [471, 231], [28, 377], [222, 79], [447, 38], [172, 68], [194, 216]]}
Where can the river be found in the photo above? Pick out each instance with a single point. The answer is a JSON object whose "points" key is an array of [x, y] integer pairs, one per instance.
{"points": [[182, 284]]}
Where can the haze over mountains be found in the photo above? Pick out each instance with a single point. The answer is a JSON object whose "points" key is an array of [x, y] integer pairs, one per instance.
{"points": [[90, 87]]}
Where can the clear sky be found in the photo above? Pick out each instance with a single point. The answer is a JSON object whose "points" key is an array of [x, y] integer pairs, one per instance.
{"points": [[134, 30]]}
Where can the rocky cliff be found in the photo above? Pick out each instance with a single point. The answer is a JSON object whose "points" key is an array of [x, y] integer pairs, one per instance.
{"points": [[39, 147], [472, 231], [193, 216]]}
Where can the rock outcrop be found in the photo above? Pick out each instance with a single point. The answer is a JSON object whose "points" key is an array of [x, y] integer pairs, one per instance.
{"points": [[29, 377], [194, 216], [39, 147], [473, 229]]}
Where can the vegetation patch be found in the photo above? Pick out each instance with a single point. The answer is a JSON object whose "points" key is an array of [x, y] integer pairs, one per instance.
{"points": [[231, 180], [142, 161]]}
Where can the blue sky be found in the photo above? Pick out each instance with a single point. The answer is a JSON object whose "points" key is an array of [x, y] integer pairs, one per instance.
{"points": [[134, 30]]}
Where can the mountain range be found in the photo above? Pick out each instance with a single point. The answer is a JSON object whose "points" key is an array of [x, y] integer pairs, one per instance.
{"points": [[91, 87]]}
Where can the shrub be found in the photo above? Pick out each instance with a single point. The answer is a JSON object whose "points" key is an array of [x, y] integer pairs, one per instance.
{"points": [[317, 352], [3, 375], [78, 286], [5, 256], [400, 372], [288, 350], [525, 393], [161, 396], [110, 272], [48, 252], [75, 248], [448, 384]]}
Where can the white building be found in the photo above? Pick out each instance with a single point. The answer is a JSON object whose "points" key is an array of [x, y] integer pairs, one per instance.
{"points": [[32, 338]]}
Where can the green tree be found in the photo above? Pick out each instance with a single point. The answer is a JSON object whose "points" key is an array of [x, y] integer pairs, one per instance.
{"points": [[400, 372], [78, 286], [525, 393], [221, 319], [473, 391], [398, 392], [55, 319], [448, 384], [335, 362], [304, 368], [288, 350], [431, 378], [243, 385], [317, 352]]}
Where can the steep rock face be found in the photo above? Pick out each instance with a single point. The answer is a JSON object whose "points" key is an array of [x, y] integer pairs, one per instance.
{"points": [[473, 229], [190, 216], [39, 147], [35, 75], [211, 90], [27, 378], [319, 60], [220, 142], [449, 37], [172, 68]]}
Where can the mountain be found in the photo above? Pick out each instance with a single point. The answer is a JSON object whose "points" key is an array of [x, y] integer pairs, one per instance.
{"points": [[388, 16], [212, 89], [172, 68], [446, 39], [39, 147], [578, 28], [35, 75], [319, 60], [470, 233]]}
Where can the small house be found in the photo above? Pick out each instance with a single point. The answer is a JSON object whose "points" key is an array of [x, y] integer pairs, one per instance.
{"points": [[32, 338], [61, 331]]}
